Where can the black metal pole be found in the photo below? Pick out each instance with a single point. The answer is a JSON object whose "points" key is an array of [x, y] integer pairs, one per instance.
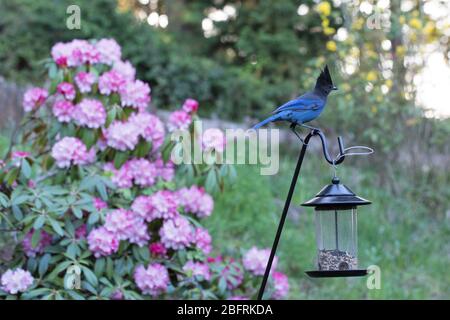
{"points": [[284, 214]]}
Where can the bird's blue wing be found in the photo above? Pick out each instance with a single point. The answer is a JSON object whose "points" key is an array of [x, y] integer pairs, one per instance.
{"points": [[301, 104]]}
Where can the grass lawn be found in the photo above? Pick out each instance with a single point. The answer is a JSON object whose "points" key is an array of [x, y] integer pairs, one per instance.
{"points": [[407, 239]]}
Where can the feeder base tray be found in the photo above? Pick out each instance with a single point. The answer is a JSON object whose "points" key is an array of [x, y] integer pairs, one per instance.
{"points": [[337, 273]]}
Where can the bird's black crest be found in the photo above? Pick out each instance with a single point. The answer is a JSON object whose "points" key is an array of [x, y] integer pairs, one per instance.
{"points": [[324, 78]]}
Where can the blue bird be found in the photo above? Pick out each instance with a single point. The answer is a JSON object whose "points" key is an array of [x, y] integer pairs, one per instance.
{"points": [[305, 108]]}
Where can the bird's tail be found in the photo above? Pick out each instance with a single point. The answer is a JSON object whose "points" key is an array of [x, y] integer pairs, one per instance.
{"points": [[266, 121]]}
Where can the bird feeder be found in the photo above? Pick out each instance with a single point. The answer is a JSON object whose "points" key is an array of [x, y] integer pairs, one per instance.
{"points": [[336, 231]]}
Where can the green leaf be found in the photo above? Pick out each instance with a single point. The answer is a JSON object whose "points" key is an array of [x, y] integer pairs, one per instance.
{"points": [[39, 222], [43, 264], [72, 250], [17, 212], [93, 218], [211, 181], [120, 158], [74, 295], [26, 169], [77, 212], [111, 116], [11, 176], [56, 226], [109, 267], [99, 267], [35, 238], [100, 186], [19, 199], [90, 276], [88, 136]]}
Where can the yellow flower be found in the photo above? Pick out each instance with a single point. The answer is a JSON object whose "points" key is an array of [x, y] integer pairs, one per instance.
{"points": [[331, 46], [429, 28], [358, 24], [374, 109], [325, 23], [329, 31], [415, 13], [402, 19], [324, 8], [415, 23], [400, 51], [389, 83], [371, 76]]}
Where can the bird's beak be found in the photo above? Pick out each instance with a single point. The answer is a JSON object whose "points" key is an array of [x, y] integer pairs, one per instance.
{"points": [[335, 88]]}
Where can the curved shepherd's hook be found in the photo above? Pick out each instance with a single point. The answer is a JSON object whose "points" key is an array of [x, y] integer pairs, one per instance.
{"points": [[338, 160]]}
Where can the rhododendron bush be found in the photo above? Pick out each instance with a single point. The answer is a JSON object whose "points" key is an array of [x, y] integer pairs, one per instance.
{"points": [[96, 209]]}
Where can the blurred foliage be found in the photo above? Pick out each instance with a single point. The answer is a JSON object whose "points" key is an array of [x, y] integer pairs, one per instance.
{"points": [[173, 73], [243, 58]]}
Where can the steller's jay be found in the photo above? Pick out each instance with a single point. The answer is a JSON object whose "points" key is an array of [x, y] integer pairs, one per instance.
{"points": [[305, 108]]}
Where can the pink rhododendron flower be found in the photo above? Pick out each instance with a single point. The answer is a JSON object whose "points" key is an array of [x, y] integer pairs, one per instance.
{"points": [[202, 240], [17, 155], [63, 110], [120, 223], [281, 285], [110, 82], [140, 206], [122, 135], [165, 170], [44, 241], [65, 55], [75, 53], [149, 127], [179, 120], [152, 280], [109, 50], [135, 94], [70, 150], [140, 171], [126, 69], [157, 249], [99, 204], [102, 242], [84, 81], [139, 234], [143, 171], [176, 233], [90, 113], [15, 281], [67, 90], [213, 139], [160, 205], [190, 106], [86, 52], [196, 201], [255, 261], [34, 98], [61, 53], [122, 178], [197, 269]]}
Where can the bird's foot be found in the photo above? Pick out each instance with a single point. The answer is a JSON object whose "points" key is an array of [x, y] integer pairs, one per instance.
{"points": [[296, 133]]}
